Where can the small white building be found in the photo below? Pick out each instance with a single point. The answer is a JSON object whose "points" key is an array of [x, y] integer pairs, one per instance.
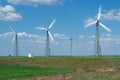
{"points": [[30, 55]]}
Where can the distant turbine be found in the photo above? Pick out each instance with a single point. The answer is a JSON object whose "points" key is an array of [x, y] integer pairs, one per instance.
{"points": [[15, 39], [71, 44], [48, 35], [97, 23]]}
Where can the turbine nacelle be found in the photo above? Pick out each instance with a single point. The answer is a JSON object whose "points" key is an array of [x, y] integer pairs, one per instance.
{"points": [[97, 23]]}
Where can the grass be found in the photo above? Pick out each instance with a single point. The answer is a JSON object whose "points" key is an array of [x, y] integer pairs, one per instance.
{"points": [[15, 71], [82, 68]]}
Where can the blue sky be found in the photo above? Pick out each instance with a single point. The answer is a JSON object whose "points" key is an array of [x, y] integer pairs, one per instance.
{"points": [[71, 17]]}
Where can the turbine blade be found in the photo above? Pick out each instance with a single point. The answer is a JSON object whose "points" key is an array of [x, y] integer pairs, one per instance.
{"points": [[51, 37], [106, 28], [40, 28], [12, 29], [13, 38], [99, 13], [54, 20], [89, 24]]}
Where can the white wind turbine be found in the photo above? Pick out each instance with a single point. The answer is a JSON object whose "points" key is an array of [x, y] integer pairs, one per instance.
{"points": [[98, 23], [48, 35], [15, 39]]}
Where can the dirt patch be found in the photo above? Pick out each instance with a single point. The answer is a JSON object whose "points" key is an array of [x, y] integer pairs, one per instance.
{"points": [[16, 63], [77, 73], [110, 70], [57, 77]]}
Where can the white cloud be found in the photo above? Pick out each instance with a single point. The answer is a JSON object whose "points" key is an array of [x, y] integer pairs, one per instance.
{"points": [[6, 35], [37, 2], [112, 15], [81, 36], [92, 37], [7, 8], [107, 39], [89, 21], [23, 36], [32, 38], [8, 13], [111, 39], [60, 36]]}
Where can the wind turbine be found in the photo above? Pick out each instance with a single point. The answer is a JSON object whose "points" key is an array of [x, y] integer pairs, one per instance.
{"points": [[15, 39], [48, 36], [98, 24]]}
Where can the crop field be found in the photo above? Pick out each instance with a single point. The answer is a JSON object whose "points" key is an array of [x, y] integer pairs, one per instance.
{"points": [[60, 68]]}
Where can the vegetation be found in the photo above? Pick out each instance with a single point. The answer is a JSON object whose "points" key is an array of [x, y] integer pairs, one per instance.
{"points": [[61, 68], [15, 71]]}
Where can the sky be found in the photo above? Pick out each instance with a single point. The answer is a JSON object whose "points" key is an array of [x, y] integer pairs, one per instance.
{"points": [[71, 17]]}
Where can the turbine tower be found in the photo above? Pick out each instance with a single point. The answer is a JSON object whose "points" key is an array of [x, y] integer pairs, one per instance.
{"points": [[98, 23], [71, 44], [48, 37], [15, 40]]}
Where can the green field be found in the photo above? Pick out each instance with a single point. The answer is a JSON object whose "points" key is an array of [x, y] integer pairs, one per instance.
{"points": [[13, 71], [60, 68]]}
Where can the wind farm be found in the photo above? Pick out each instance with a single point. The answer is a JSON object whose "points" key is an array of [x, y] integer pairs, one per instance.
{"points": [[84, 43], [46, 46]]}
